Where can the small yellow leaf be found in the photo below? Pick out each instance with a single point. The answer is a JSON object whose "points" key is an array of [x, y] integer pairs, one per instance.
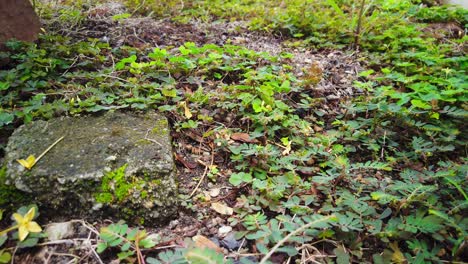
{"points": [[22, 232], [397, 256], [222, 208], [33, 227], [187, 112], [28, 163]]}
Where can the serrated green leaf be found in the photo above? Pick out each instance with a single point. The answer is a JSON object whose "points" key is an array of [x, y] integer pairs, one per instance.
{"points": [[147, 243], [125, 254], [204, 256], [6, 118], [261, 247], [290, 250], [342, 257], [132, 234], [122, 229], [115, 242], [151, 260], [237, 178], [101, 247], [126, 246]]}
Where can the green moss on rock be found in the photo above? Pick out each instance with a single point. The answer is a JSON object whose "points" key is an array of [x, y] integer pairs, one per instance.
{"points": [[9, 195], [116, 165]]}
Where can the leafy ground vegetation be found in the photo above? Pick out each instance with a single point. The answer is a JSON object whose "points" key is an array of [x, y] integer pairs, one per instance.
{"points": [[320, 131]]}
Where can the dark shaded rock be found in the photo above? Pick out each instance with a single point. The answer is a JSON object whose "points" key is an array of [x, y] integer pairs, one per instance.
{"points": [[230, 242], [18, 20], [117, 165]]}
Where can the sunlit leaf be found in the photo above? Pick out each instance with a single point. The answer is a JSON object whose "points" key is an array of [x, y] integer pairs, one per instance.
{"points": [[29, 162]]}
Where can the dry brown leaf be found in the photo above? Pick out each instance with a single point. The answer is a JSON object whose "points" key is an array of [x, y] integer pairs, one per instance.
{"points": [[243, 137], [187, 164], [222, 208], [204, 242]]}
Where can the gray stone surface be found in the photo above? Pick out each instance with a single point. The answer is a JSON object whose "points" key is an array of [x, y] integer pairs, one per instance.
{"points": [[69, 178]]}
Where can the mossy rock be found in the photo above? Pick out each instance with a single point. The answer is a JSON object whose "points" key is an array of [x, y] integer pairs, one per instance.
{"points": [[115, 165]]}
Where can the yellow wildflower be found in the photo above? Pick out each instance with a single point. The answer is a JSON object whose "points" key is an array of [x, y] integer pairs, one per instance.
{"points": [[25, 224]]}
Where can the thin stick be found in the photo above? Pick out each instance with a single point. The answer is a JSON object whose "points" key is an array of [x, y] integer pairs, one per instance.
{"points": [[204, 174], [286, 238], [358, 27], [152, 140], [47, 150]]}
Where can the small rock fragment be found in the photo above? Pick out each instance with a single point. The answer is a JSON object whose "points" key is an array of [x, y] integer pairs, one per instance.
{"points": [[57, 231], [224, 230], [215, 192]]}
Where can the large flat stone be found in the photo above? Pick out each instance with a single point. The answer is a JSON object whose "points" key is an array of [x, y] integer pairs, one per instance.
{"points": [[78, 176]]}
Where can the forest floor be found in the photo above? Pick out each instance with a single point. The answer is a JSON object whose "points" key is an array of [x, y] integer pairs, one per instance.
{"points": [[230, 140]]}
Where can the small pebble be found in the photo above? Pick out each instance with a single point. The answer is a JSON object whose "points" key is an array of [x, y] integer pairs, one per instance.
{"points": [[224, 230]]}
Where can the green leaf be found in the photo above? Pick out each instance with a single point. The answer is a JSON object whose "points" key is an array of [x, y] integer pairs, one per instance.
{"points": [[420, 104], [257, 105], [3, 239], [101, 247], [151, 260], [121, 16], [132, 234], [147, 243], [125, 254], [290, 250], [126, 246], [428, 224], [366, 73], [122, 229], [5, 257], [115, 242], [204, 256], [172, 257], [383, 198], [29, 242], [169, 92], [237, 178], [342, 257], [261, 247], [121, 64], [4, 86], [6, 118], [335, 7]]}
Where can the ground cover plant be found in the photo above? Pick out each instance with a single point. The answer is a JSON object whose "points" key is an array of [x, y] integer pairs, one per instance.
{"points": [[377, 177]]}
